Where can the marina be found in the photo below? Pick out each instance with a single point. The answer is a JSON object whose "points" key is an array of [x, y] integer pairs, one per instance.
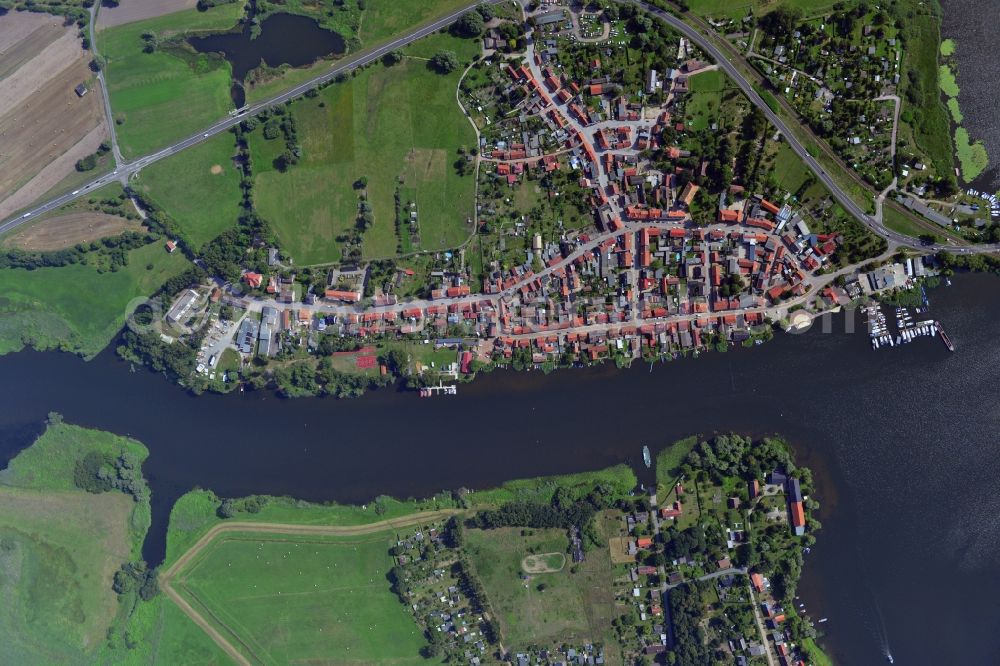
{"points": [[906, 327]]}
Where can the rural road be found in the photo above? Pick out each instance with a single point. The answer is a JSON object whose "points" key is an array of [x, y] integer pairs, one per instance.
{"points": [[166, 578], [127, 169], [849, 205]]}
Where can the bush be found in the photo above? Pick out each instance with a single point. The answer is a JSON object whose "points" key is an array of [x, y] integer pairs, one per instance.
{"points": [[444, 62]]}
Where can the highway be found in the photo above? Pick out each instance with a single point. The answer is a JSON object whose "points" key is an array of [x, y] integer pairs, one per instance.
{"points": [[125, 170], [842, 198]]}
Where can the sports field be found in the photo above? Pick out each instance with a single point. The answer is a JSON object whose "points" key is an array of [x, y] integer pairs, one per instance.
{"points": [[199, 188], [75, 307], [59, 548], [160, 97], [396, 126], [288, 599], [548, 608]]}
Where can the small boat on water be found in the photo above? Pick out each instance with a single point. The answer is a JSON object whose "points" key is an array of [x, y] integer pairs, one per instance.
{"points": [[889, 658], [646, 458], [822, 620]]}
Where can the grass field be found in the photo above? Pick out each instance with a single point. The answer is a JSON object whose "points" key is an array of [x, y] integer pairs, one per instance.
{"points": [[296, 599], [59, 547], [196, 512], [705, 101], [161, 97], [76, 308], [387, 124], [380, 21], [669, 460], [570, 607], [789, 171], [901, 223], [619, 479], [737, 9], [199, 188], [930, 126]]}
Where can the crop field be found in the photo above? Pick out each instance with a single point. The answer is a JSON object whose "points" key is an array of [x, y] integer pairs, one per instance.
{"points": [[396, 126], [573, 604], [198, 187], [171, 93], [129, 12], [75, 307], [59, 547], [287, 599], [44, 126], [68, 230]]}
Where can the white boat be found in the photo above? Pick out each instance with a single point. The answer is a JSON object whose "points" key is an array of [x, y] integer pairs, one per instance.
{"points": [[822, 620], [646, 458]]}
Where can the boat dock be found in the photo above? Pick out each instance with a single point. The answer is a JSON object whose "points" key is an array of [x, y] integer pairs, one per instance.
{"points": [[440, 389], [944, 337], [907, 330]]}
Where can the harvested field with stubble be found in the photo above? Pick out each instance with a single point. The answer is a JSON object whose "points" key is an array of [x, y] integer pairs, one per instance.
{"points": [[63, 231], [137, 10], [44, 126]]}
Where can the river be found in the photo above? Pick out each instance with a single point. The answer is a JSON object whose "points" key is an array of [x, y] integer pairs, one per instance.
{"points": [[972, 24], [903, 441]]}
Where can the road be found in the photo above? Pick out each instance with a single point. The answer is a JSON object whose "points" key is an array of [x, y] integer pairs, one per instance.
{"points": [[124, 171], [166, 579], [873, 223], [127, 169], [115, 152]]}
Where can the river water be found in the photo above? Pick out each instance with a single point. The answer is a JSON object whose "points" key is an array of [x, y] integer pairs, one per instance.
{"points": [[904, 443], [973, 26]]}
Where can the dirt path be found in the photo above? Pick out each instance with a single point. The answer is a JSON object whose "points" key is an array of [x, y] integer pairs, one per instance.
{"points": [[167, 577]]}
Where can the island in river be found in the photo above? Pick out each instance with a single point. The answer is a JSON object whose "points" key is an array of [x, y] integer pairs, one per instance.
{"points": [[688, 571]]}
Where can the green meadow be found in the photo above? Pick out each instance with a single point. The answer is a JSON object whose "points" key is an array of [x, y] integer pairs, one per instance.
{"points": [[573, 605], [396, 126], [76, 308], [198, 187], [737, 9], [620, 480], [59, 549], [380, 21], [705, 101], [317, 599], [173, 92]]}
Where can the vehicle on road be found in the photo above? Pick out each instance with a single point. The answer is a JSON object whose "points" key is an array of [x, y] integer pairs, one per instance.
{"points": [[75, 192], [26, 215]]}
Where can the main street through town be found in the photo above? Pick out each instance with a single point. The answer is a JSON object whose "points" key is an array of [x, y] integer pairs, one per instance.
{"points": [[126, 170]]}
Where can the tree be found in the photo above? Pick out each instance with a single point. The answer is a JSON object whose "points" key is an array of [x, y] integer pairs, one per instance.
{"points": [[392, 57], [469, 25], [444, 62], [781, 21]]}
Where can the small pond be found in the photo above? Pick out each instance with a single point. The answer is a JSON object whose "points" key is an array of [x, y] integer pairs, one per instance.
{"points": [[284, 39]]}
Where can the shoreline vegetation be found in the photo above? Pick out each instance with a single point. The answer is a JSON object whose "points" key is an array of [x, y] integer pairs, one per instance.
{"points": [[972, 156], [564, 539]]}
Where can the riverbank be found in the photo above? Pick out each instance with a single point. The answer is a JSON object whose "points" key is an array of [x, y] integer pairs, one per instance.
{"points": [[881, 427]]}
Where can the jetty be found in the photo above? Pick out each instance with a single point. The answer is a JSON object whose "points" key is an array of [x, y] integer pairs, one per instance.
{"points": [[944, 337], [440, 389]]}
